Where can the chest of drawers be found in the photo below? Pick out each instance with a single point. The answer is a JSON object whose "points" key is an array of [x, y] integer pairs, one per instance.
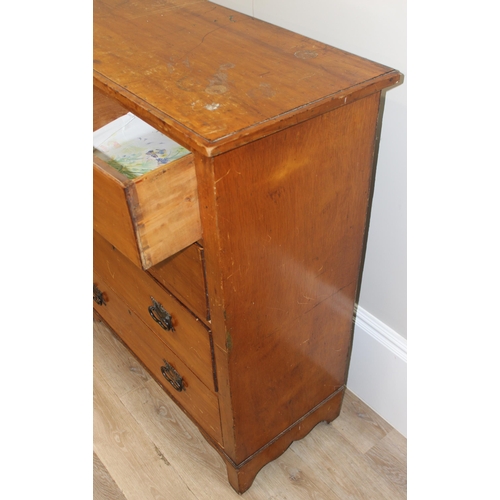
{"points": [[233, 272]]}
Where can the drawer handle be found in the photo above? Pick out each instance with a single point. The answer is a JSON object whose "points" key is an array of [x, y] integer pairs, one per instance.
{"points": [[173, 377], [98, 296], [161, 316]]}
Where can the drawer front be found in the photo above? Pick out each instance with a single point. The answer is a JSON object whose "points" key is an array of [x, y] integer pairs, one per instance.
{"points": [[184, 333], [176, 378], [151, 217], [184, 275]]}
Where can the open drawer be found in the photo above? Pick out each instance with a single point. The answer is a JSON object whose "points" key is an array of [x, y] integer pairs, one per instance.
{"points": [[147, 216]]}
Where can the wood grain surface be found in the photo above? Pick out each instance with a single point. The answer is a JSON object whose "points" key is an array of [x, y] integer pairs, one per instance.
{"points": [[212, 78], [104, 485], [111, 212]]}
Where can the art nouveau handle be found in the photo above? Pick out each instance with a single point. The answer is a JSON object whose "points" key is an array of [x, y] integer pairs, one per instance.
{"points": [[172, 376], [161, 316]]}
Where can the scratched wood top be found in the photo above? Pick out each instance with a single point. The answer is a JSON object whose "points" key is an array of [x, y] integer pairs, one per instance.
{"points": [[213, 78]]}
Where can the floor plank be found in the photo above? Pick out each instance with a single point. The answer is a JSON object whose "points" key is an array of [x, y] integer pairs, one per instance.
{"points": [[359, 424], [290, 477], [148, 448], [348, 472], [180, 441], [127, 452], [118, 366], [388, 457], [104, 486]]}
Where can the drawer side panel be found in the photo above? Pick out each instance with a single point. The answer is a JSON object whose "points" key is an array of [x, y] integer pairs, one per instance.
{"points": [[112, 215]]}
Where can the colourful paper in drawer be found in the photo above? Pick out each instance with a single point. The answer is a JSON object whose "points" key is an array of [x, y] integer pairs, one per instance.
{"points": [[133, 147]]}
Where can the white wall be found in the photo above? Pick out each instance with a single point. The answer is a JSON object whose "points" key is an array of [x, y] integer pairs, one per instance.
{"points": [[375, 29]]}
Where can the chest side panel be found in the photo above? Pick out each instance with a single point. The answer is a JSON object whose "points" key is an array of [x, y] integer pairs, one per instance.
{"points": [[291, 218]]}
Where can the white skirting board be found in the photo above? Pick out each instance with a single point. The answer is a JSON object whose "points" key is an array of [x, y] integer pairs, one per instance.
{"points": [[377, 373]]}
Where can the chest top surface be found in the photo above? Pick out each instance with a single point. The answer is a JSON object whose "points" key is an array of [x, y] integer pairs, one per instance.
{"points": [[212, 77]]}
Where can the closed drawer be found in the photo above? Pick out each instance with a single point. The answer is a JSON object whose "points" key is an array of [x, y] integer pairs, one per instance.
{"points": [[184, 333], [184, 275], [150, 217], [198, 401]]}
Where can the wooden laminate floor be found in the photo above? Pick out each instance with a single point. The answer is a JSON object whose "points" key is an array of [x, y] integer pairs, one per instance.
{"points": [[146, 448]]}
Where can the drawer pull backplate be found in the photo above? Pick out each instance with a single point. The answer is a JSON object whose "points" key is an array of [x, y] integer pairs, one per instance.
{"points": [[161, 316], [173, 377], [98, 296]]}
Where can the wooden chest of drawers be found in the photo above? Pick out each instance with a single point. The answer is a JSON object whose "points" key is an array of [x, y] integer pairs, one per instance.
{"points": [[233, 272]]}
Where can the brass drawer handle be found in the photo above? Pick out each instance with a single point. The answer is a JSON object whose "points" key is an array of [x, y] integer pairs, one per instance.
{"points": [[173, 377], [98, 296], [161, 316]]}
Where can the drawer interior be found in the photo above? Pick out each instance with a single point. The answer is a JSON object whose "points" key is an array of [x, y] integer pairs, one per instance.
{"points": [[105, 109], [134, 147], [145, 200]]}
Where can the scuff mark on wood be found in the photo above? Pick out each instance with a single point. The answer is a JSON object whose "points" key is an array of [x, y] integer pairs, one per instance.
{"points": [[264, 90], [218, 83], [212, 107], [220, 178], [188, 83], [229, 341], [306, 54], [216, 89], [161, 455]]}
